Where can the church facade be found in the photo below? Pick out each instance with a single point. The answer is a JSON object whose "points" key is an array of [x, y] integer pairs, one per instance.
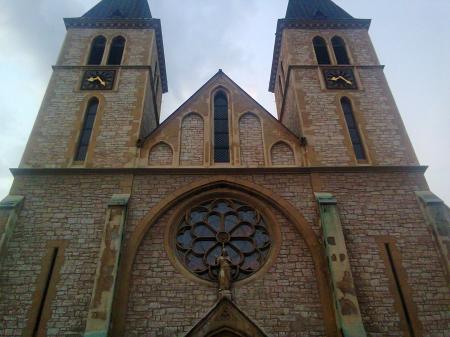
{"points": [[222, 220]]}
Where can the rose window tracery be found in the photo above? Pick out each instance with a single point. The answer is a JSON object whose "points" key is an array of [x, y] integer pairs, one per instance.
{"points": [[206, 230]]}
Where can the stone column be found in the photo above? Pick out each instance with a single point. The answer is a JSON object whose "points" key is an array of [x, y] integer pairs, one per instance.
{"points": [[9, 212], [348, 314], [99, 316], [437, 215]]}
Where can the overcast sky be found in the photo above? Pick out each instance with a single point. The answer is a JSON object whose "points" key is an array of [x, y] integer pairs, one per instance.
{"points": [[200, 36]]}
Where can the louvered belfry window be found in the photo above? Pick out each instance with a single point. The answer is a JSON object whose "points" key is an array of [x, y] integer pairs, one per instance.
{"points": [[97, 50], [221, 133], [321, 50], [116, 51], [88, 125], [340, 50], [353, 129]]}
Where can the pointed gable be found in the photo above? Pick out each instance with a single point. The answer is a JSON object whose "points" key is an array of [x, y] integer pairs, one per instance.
{"points": [[120, 9], [226, 318], [253, 132], [315, 10]]}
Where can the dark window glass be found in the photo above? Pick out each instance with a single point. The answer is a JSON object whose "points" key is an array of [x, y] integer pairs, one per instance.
{"points": [[86, 132], [97, 50], [116, 51], [340, 51], [320, 47], [221, 133], [353, 129]]}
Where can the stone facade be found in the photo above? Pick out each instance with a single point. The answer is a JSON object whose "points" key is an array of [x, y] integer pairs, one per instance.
{"points": [[91, 248]]}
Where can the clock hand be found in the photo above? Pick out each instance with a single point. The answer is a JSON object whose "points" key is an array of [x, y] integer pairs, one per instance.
{"points": [[97, 78], [345, 80]]}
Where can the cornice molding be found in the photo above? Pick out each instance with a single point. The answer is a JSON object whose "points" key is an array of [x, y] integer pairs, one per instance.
{"points": [[80, 23], [217, 170], [97, 67], [309, 24]]}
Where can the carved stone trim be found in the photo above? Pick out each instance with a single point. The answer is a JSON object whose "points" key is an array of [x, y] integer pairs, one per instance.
{"points": [[219, 170], [100, 309], [226, 317], [9, 212], [348, 313], [437, 215]]}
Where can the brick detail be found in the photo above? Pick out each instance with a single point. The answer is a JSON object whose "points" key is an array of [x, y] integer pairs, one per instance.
{"points": [[282, 154], [251, 141], [161, 155], [192, 140]]}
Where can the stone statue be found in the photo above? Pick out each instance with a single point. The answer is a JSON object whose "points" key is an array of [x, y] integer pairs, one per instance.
{"points": [[224, 277]]}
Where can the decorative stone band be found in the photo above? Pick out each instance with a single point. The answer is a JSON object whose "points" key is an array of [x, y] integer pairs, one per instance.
{"points": [[437, 215], [9, 212], [99, 316], [348, 314]]}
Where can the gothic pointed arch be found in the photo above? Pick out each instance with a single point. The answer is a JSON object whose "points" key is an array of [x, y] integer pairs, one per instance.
{"points": [[229, 183]]}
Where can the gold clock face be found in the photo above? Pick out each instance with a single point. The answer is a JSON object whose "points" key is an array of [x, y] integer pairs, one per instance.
{"points": [[340, 78], [98, 80]]}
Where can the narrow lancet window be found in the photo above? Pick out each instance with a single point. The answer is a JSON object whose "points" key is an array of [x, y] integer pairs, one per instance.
{"points": [[97, 50], [116, 51], [221, 133], [320, 47], [353, 129], [340, 51], [86, 132]]}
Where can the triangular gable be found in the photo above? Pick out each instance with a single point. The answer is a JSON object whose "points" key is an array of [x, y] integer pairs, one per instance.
{"points": [[219, 75], [225, 316]]}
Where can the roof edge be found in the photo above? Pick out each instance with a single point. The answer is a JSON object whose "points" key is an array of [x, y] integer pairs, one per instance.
{"points": [[309, 24], [86, 23]]}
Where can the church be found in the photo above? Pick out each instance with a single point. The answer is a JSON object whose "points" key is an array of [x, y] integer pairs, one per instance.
{"points": [[222, 220]]}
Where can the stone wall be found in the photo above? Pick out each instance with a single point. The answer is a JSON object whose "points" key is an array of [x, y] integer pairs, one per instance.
{"points": [[56, 131], [69, 210], [323, 123], [283, 300]]}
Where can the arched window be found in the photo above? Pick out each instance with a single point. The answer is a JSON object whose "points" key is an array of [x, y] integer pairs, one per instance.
{"points": [[340, 51], [353, 128], [320, 47], [116, 51], [97, 50], [85, 134], [221, 134]]}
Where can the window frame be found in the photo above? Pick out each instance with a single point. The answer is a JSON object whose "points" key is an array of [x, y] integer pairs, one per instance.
{"points": [[357, 128], [344, 48], [111, 50], [221, 92], [91, 50], [83, 128], [325, 48]]}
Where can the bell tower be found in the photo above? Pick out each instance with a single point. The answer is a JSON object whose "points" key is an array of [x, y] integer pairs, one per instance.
{"points": [[331, 91], [105, 93]]}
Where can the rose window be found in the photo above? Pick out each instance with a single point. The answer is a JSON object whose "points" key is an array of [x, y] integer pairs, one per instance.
{"points": [[211, 228]]}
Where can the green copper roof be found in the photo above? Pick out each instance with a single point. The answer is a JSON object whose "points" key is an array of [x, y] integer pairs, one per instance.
{"points": [[120, 9], [315, 10]]}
